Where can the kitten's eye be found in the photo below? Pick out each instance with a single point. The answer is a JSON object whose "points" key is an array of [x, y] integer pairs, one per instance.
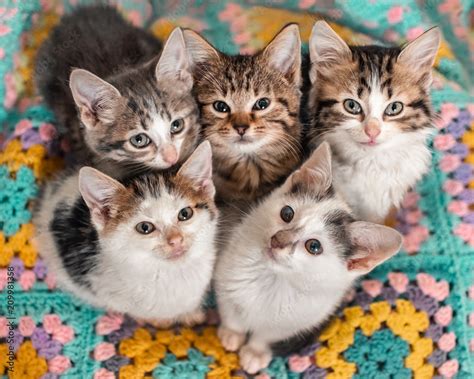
{"points": [[220, 106], [140, 140], [394, 108], [261, 104], [287, 213], [185, 214], [145, 227], [313, 246], [177, 126], [352, 106]]}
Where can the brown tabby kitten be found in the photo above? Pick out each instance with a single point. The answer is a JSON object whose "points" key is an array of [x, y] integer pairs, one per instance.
{"points": [[372, 104], [250, 112]]}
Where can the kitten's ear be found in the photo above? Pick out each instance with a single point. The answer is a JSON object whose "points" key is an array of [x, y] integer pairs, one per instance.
{"points": [[325, 48], [284, 53], [199, 49], [98, 191], [95, 98], [421, 52], [198, 169], [174, 64], [315, 175], [373, 245]]}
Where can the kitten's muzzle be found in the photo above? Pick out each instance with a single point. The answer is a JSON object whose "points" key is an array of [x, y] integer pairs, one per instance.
{"points": [[240, 128]]}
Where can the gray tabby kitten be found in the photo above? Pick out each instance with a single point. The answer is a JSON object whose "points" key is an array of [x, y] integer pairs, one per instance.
{"points": [[135, 109]]}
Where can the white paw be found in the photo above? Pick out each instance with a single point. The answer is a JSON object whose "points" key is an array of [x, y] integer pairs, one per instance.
{"points": [[229, 339], [193, 318], [252, 360], [161, 323]]}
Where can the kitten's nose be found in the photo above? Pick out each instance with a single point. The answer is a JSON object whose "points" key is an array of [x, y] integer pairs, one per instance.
{"points": [[372, 128], [241, 129], [169, 154], [281, 239], [175, 240]]}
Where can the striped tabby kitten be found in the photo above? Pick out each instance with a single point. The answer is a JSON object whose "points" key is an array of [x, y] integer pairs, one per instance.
{"points": [[142, 115], [372, 105], [144, 247], [249, 111]]}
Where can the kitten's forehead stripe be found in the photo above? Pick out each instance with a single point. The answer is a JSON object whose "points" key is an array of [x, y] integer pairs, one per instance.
{"points": [[336, 223]]}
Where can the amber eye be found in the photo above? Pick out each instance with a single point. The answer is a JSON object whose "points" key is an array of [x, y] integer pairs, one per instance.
{"points": [[394, 108], [221, 107], [145, 227], [313, 246], [177, 126], [140, 140], [287, 213], [352, 106], [185, 214], [261, 104]]}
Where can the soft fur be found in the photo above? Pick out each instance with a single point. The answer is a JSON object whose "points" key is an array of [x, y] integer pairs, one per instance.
{"points": [[377, 158], [249, 164], [86, 231], [110, 71], [269, 286]]}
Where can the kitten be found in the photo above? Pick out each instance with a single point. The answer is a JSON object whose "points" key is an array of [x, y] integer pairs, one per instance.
{"points": [[143, 115], [144, 247], [291, 261], [372, 105], [249, 112]]}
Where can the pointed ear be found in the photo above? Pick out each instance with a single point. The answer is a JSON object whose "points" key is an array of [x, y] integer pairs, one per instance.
{"points": [[315, 175], [96, 99], [373, 245], [199, 49], [421, 53], [325, 48], [198, 169], [174, 64], [98, 191], [284, 53]]}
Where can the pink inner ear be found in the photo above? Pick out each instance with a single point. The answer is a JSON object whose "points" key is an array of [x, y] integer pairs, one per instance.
{"points": [[359, 264]]}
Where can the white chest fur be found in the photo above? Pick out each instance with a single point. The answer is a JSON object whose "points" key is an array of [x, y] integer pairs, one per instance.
{"points": [[375, 179]]}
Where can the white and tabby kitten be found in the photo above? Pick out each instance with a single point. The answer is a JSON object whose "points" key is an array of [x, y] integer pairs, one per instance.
{"points": [[290, 262], [372, 104], [125, 106], [144, 247]]}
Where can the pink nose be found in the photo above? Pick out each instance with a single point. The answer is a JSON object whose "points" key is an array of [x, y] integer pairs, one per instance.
{"points": [[372, 129], [175, 241], [169, 154]]}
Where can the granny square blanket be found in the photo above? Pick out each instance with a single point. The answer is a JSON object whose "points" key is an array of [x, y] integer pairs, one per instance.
{"points": [[412, 317]]}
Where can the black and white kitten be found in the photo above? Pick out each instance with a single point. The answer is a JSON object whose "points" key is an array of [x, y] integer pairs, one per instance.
{"points": [[135, 108], [290, 262], [144, 247]]}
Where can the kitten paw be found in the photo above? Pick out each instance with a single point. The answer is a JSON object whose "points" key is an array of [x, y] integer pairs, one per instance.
{"points": [[161, 323], [193, 318], [253, 360], [229, 339]]}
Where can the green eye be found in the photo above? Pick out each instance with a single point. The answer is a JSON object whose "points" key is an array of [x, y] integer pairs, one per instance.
{"points": [[145, 227], [177, 126], [140, 140], [261, 104], [221, 107], [287, 213], [394, 108], [313, 246], [352, 106], [185, 214]]}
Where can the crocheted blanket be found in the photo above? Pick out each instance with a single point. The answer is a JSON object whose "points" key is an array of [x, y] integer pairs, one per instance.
{"points": [[412, 317]]}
